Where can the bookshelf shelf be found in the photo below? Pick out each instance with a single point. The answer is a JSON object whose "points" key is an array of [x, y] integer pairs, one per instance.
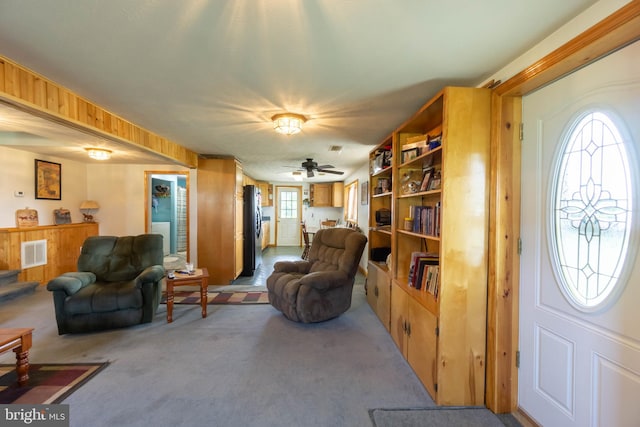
{"points": [[419, 235], [447, 137], [387, 194]]}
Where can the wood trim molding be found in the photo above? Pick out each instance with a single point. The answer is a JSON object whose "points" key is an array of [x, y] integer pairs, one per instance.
{"points": [[33, 93], [612, 33]]}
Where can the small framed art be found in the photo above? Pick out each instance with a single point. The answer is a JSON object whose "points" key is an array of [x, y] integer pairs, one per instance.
{"points": [[48, 179]]}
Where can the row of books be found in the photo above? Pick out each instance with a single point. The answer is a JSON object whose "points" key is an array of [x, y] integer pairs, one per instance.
{"points": [[424, 272], [426, 219]]}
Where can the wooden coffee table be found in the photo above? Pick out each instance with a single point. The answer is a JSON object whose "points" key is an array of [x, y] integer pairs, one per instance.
{"points": [[18, 340], [200, 277]]}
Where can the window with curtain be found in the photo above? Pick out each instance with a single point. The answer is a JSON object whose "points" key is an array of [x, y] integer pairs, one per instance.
{"points": [[351, 202]]}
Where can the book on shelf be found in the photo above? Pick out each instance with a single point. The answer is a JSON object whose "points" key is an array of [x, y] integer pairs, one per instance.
{"points": [[431, 279], [423, 265], [413, 264], [425, 219]]}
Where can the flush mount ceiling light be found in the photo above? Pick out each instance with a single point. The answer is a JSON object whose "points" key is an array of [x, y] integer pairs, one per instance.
{"points": [[288, 123], [99, 153]]}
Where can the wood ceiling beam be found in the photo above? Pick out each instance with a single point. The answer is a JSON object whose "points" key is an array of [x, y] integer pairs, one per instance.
{"points": [[37, 95]]}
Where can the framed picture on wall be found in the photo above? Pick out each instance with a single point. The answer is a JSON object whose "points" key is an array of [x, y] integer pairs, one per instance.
{"points": [[364, 193], [48, 179]]}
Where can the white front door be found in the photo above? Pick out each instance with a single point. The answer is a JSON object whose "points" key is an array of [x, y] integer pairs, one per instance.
{"points": [[288, 206], [580, 269]]}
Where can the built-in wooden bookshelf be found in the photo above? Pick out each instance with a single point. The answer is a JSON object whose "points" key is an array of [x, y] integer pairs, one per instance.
{"points": [[441, 334]]}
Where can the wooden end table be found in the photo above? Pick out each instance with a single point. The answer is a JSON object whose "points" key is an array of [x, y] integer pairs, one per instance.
{"points": [[18, 340], [200, 277]]}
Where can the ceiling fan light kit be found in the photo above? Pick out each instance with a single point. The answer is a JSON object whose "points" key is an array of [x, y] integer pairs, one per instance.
{"points": [[288, 123], [99, 153]]}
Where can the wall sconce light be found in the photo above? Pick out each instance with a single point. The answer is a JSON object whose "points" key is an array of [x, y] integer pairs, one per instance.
{"points": [[99, 153], [89, 209], [288, 123]]}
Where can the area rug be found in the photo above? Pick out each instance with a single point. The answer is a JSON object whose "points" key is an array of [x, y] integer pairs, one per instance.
{"points": [[440, 417], [48, 383], [193, 297]]}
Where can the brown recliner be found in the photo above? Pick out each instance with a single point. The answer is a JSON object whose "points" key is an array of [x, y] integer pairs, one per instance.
{"points": [[319, 288]]}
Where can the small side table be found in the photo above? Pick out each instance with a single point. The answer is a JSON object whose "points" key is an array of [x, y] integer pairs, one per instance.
{"points": [[18, 339], [199, 277]]}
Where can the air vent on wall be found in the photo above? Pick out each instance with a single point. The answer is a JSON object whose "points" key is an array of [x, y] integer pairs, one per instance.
{"points": [[34, 253]]}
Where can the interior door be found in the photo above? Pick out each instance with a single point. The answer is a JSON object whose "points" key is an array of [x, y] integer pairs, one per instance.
{"points": [[288, 216], [580, 275]]}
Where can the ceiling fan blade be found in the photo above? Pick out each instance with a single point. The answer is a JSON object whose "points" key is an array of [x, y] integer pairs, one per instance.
{"points": [[309, 173], [330, 171], [325, 167]]}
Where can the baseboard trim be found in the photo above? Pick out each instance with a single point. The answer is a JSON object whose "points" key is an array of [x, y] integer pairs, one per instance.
{"points": [[524, 418]]}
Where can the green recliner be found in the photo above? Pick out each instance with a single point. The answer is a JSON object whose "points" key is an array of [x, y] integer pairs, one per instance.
{"points": [[118, 284], [319, 288]]}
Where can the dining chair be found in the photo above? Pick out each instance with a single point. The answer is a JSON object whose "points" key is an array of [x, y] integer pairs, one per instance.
{"points": [[307, 244]]}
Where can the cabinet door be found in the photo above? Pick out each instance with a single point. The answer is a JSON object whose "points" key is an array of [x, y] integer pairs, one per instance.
{"points": [[238, 222], [399, 318], [372, 283], [337, 194], [321, 195], [383, 294], [265, 193], [422, 348]]}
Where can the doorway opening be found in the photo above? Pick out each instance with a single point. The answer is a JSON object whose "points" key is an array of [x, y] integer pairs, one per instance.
{"points": [[167, 213]]}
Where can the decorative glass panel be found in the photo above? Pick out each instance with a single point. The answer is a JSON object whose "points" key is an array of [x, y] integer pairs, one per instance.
{"points": [[591, 216]]}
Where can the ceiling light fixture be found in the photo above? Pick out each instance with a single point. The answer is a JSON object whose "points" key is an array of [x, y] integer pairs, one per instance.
{"points": [[288, 123], [99, 153]]}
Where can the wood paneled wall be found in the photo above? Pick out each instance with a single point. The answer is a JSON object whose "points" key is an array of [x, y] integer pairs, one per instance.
{"points": [[35, 94], [63, 248]]}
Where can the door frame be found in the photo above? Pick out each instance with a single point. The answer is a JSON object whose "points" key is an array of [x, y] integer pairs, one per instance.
{"points": [[277, 202], [614, 32], [147, 202]]}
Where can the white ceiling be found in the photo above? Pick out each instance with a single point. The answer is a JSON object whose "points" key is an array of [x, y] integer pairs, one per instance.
{"points": [[209, 74]]}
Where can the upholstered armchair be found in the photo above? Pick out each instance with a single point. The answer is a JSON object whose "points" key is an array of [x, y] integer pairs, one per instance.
{"points": [[118, 284], [320, 287]]}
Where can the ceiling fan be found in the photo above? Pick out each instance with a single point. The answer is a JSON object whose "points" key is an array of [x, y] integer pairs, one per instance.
{"points": [[311, 166]]}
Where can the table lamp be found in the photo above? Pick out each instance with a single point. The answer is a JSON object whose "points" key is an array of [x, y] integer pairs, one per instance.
{"points": [[89, 209]]}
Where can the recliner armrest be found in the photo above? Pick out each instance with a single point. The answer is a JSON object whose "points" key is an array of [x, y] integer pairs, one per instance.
{"points": [[71, 282], [292, 267], [324, 280], [153, 273]]}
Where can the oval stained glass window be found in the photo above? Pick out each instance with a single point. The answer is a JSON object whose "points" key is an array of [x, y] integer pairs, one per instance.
{"points": [[591, 211]]}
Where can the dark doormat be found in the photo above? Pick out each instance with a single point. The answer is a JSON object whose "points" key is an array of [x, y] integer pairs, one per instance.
{"points": [[440, 417]]}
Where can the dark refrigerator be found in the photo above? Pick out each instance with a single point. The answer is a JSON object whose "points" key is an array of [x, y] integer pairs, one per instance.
{"points": [[252, 253]]}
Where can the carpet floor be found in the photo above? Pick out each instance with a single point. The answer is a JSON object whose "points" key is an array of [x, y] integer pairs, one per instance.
{"points": [[193, 297], [48, 383]]}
